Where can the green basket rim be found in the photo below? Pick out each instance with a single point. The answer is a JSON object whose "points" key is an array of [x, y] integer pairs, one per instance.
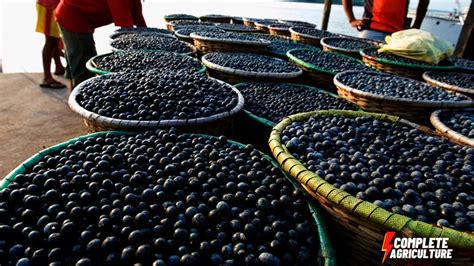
{"points": [[270, 124], [400, 222], [92, 67], [407, 65], [325, 250], [313, 67]]}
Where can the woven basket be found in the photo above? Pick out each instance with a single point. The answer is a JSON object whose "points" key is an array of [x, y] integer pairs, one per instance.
{"points": [[360, 225], [216, 124], [298, 23], [192, 47], [169, 18], [184, 38], [415, 111], [279, 31], [211, 45], [249, 22], [401, 69], [315, 76], [215, 18], [330, 48], [261, 27], [234, 76], [466, 91], [92, 67], [447, 132], [255, 129], [305, 38], [326, 255], [237, 20]]}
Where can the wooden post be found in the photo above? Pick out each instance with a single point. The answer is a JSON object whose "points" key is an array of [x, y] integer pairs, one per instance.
{"points": [[326, 13], [465, 45]]}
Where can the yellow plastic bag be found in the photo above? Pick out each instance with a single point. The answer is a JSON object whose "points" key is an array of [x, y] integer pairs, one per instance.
{"points": [[417, 45]]}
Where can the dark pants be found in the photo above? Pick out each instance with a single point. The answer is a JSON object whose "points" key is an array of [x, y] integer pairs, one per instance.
{"points": [[79, 48]]}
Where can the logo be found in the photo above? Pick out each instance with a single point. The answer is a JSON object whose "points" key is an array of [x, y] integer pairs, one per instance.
{"points": [[415, 247]]}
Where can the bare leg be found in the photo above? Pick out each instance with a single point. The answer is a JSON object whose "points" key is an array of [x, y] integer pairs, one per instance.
{"points": [[57, 59], [48, 53]]}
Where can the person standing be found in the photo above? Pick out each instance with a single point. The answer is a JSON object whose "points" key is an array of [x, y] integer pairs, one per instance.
{"points": [[46, 25], [77, 21], [383, 17]]}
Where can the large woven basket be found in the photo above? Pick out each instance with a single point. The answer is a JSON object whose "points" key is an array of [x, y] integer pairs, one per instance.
{"points": [[92, 66], [263, 27], [215, 18], [359, 225], [415, 111], [210, 45], [255, 129], [316, 76], [216, 124], [234, 76], [466, 91], [401, 69], [305, 38], [173, 17], [279, 30], [192, 47], [331, 48], [447, 132], [237, 20], [326, 255]]}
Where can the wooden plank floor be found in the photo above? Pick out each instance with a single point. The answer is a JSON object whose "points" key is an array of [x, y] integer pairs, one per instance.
{"points": [[32, 118]]}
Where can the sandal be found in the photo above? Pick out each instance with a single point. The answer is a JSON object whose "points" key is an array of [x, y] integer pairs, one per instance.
{"points": [[53, 85]]}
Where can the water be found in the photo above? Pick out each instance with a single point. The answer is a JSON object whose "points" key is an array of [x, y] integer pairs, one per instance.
{"points": [[20, 46]]}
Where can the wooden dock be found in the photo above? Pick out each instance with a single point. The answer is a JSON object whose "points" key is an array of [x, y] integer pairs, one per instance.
{"points": [[32, 118]]}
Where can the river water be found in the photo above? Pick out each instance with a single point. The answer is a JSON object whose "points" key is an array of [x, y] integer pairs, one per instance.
{"points": [[20, 46]]}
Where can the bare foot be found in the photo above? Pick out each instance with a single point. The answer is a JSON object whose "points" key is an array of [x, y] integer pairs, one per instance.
{"points": [[52, 84]]}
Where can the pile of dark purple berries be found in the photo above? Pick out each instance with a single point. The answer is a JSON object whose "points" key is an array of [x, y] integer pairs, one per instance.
{"points": [[150, 42], [229, 36], [396, 167], [180, 17], [460, 121], [150, 95], [395, 58], [251, 62], [187, 30], [274, 101], [462, 63], [125, 61], [235, 27], [398, 87], [319, 34], [462, 80], [177, 24], [331, 62], [141, 30], [158, 198], [347, 43]]}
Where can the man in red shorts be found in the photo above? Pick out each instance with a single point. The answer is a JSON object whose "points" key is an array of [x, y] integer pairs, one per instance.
{"points": [[382, 17], [78, 19]]}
